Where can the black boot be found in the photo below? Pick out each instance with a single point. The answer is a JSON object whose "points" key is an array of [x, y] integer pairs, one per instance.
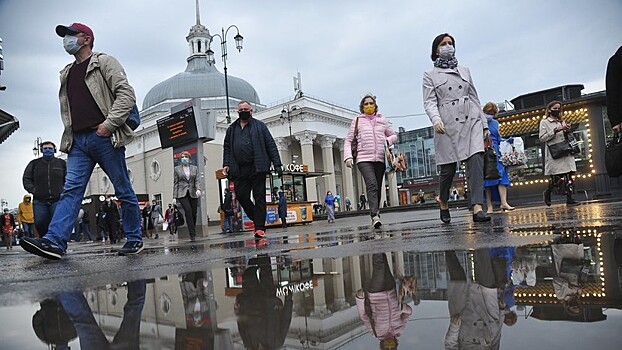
{"points": [[547, 193], [445, 216], [570, 192]]}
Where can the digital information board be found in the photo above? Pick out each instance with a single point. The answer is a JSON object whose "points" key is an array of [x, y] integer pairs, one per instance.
{"points": [[177, 129]]}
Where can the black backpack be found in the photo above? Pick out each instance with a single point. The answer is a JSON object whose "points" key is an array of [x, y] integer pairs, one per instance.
{"points": [[179, 219]]}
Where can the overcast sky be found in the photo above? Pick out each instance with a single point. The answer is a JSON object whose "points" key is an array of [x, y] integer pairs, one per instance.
{"points": [[343, 49]]}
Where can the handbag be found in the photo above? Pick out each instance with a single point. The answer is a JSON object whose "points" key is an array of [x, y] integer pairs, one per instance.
{"points": [[613, 156], [567, 147], [354, 145], [491, 172]]}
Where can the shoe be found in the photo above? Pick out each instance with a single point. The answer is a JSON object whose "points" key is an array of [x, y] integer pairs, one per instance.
{"points": [[445, 216], [157, 236], [89, 241], [480, 217], [42, 247], [571, 202], [130, 248], [508, 208], [547, 197], [375, 221], [260, 234], [261, 242], [193, 238]]}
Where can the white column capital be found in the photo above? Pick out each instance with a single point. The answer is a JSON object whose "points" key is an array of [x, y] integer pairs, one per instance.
{"points": [[282, 143], [305, 137], [327, 141]]}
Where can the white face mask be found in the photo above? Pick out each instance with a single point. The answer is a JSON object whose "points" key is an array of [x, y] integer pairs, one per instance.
{"points": [[70, 43], [446, 51]]}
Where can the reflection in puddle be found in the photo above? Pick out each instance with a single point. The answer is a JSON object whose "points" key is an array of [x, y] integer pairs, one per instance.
{"points": [[503, 297]]}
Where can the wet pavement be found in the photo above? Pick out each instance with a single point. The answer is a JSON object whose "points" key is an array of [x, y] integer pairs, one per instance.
{"points": [[534, 278]]}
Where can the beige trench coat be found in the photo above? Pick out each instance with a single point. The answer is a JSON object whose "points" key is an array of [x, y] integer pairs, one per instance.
{"points": [[450, 96], [548, 135]]}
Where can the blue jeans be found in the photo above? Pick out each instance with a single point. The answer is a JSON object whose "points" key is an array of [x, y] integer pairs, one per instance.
{"points": [[28, 229], [227, 224], [87, 150], [90, 334], [44, 210]]}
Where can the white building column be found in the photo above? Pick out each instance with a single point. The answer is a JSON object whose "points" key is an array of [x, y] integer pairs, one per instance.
{"points": [[320, 310], [347, 179], [338, 285], [393, 197], [328, 162], [306, 146], [355, 273], [283, 145]]}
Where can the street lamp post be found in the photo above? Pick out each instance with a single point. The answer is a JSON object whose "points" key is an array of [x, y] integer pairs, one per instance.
{"points": [[223, 48], [286, 116], [36, 149]]}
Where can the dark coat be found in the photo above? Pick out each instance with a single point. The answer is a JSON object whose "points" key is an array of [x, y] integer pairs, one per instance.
{"points": [[613, 84], [264, 149], [45, 177], [227, 204], [282, 205]]}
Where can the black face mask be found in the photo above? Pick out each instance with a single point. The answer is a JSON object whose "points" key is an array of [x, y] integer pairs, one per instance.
{"points": [[244, 115], [555, 112]]}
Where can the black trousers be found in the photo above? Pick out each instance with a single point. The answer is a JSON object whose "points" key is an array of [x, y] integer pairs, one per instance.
{"points": [[248, 181], [475, 179], [373, 175], [189, 205], [381, 277]]}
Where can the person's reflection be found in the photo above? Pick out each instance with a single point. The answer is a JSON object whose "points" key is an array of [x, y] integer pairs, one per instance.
{"points": [[90, 334], [572, 271], [263, 318], [52, 325], [476, 308], [378, 305]]}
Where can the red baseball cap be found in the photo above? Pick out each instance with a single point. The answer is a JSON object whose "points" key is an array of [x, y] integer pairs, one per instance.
{"points": [[73, 29]]}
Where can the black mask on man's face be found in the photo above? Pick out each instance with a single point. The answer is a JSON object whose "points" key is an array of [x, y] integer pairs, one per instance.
{"points": [[244, 115]]}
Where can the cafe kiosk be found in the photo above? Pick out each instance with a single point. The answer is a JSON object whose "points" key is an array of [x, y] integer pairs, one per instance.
{"points": [[293, 184]]}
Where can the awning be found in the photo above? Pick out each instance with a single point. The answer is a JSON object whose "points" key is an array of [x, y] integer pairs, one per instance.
{"points": [[8, 125]]}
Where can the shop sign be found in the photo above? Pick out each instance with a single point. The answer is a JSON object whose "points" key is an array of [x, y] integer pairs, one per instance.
{"points": [[294, 288], [295, 168]]}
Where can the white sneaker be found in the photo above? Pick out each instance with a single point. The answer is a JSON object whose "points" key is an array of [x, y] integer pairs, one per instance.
{"points": [[375, 221]]}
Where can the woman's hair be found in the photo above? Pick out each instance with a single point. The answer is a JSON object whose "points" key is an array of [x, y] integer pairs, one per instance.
{"points": [[363, 101], [388, 343], [185, 153], [437, 41], [550, 105], [327, 192], [490, 108]]}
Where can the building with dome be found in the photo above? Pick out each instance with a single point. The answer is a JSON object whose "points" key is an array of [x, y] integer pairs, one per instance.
{"points": [[312, 133]]}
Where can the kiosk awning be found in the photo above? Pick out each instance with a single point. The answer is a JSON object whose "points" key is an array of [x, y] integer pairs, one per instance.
{"points": [[8, 125]]}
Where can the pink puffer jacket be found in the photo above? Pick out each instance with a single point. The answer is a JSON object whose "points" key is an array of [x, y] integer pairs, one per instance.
{"points": [[371, 136], [389, 320]]}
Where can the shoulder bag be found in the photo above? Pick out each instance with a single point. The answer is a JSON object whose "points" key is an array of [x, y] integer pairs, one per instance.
{"points": [[354, 145], [613, 156], [133, 119], [567, 147], [491, 171]]}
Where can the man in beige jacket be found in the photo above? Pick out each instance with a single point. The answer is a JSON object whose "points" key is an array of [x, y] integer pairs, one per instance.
{"points": [[95, 102]]}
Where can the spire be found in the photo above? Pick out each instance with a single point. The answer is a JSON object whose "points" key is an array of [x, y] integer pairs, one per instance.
{"points": [[198, 14], [199, 37]]}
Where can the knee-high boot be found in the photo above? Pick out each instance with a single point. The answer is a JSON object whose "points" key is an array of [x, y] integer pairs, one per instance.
{"points": [[570, 190], [548, 191]]}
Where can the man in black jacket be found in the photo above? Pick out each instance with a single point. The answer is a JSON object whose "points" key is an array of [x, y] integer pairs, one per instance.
{"points": [[613, 84], [248, 152], [45, 177]]}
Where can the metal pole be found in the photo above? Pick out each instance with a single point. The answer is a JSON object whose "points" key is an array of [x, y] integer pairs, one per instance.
{"points": [[223, 47]]}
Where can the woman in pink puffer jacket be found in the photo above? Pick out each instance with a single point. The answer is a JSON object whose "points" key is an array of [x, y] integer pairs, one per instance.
{"points": [[372, 132]]}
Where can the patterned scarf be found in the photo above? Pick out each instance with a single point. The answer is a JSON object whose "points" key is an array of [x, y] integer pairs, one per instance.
{"points": [[446, 63]]}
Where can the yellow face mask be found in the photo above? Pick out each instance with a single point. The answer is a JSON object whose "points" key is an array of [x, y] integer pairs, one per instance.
{"points": [[369, 110]]}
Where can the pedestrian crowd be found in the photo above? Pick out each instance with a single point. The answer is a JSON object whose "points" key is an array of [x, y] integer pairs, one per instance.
{"points": [[97, 106]]}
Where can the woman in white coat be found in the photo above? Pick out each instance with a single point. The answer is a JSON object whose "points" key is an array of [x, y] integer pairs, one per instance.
{"points": [[552, 131], [450, 101]]}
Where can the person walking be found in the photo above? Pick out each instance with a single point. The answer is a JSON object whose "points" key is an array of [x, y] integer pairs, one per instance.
{"points": [[45, 177], [248, 152], [329, 204], [26, 217], [8, 226], [373, 132], [227, 208], [187, 190], [348, 204], [169, 217], [450, 101], [283, 209], [362, 199], [83, 226], [155, 215], [553, 130], [111, 219], [613, 84], [95, 101], [497, 187], [147, 223]]}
